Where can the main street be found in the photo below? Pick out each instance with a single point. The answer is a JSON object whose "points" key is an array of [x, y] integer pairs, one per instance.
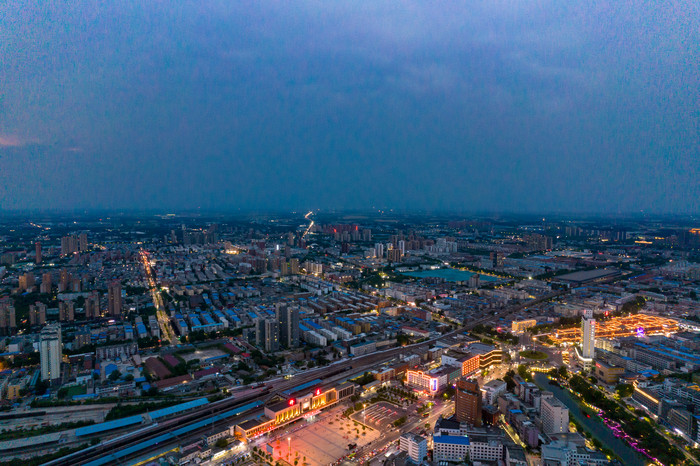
{"points": [[166, 328]]}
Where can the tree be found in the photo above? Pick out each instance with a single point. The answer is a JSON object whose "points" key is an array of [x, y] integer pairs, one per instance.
{"points": [[114, 375], [563, 373], [221, 443], [624, 390]]}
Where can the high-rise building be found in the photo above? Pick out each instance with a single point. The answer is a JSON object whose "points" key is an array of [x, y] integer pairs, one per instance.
{"points": [[7, 316], [50, 352], [588, 338], [37, 313], [288, 320], [82, 242], [92, 306], [468, 402], [26, 281], [69, 244], [37, 249], [114, 306], [554, 415], [45, 286], [66, 311], [402, 246], [294, 266], [393, 255], [474, 281], [379, 250], [64, 280], [267, 335]]}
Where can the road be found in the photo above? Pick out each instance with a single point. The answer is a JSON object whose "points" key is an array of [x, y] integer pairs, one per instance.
{"points": [[310, 213], [166, 328]]}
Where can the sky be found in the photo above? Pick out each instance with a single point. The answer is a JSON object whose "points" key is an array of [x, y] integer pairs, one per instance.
{"points": [[510, 106]]}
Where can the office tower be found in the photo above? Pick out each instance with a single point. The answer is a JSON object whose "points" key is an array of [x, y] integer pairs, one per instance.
{"points": [[554, 415], [66, 311], [7, 316], [37, 248], [37, 314], [45, 286], [267, 335], [468, 402], [294, 266], [82, 242], [26, 281], [588, 338], [50, 352], [114, 306], [92, 306], [288, 320], [379, 250]]}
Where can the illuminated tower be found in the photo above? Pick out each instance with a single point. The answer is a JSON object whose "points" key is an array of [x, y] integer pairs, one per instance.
{"points": [[587, 341]]}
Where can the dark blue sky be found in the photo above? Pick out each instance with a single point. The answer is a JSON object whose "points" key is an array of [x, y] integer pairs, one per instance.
{"points": [[469, 106]]}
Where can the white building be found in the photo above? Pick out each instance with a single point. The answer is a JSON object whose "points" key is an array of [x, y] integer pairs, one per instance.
{"points": [[50, 352], [563, 453], [587, 342], [588, 338], [554, 415], [450, 447], [379, 250], [415, 445], [490, 391], [474, 446]]}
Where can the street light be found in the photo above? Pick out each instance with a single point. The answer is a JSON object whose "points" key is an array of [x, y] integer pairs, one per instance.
{"points": [[364, 413], [289, 445]]}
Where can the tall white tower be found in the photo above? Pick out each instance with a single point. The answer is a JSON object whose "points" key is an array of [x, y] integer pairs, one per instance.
{"points": [[588, 338]]}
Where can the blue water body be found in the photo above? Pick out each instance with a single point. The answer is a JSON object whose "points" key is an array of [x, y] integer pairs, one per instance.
{"points": [[451, 275]]}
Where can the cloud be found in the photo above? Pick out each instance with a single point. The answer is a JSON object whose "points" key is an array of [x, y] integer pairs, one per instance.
{"points": [[10, 141]]}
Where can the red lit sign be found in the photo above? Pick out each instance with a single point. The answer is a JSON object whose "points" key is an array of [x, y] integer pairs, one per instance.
{"points": [[291, 402], [317, 392]]}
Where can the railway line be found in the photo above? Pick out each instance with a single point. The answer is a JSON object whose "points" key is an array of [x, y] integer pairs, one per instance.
{"points": [[196, 422]]}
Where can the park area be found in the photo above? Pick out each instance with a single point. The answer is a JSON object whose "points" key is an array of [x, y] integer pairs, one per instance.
{"points": [[532, 354]]}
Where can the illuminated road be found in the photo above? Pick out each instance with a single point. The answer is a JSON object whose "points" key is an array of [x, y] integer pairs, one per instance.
{"points": [[310, 224], [166, 329]]}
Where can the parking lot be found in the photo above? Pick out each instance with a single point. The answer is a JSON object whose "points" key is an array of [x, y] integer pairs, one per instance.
{"points": [[379, 415]]}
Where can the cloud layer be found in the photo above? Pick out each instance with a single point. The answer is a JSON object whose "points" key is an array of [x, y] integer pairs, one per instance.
{"points": [[491, 105]]}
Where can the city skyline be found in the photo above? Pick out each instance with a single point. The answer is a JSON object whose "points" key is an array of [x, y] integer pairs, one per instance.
{"points": [[506, 107]]}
